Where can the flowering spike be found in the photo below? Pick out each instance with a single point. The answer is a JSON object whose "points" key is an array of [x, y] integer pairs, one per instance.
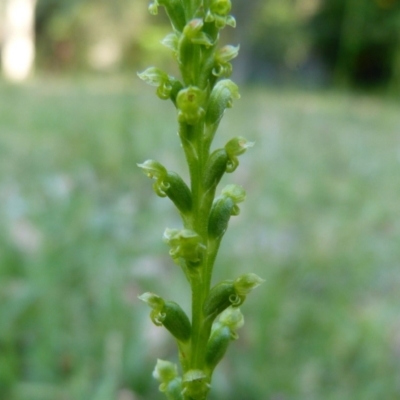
{"points": [[200, 96]]}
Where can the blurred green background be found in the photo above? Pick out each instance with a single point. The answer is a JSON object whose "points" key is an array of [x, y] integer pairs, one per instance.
{"points": [[80, 228]]}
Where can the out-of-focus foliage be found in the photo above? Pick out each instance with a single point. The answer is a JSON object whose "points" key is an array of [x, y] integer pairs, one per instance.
{"points": [[97, 34], [79, 241], [355, 42], [276, 40], [359, 40]]}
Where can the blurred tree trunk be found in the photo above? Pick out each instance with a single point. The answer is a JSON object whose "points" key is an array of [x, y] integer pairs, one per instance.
{"points": [[18, 50], [394, 85], [349, 41]]}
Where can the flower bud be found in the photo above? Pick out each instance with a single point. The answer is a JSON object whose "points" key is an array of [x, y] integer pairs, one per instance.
{"points": [[220, 215], [171, 384], [221, 296], [217, 346], [189, 102], [221, 98], [218, 13], [246, 283], [178, 192], [215, 168], [168, 314], [222, 333], [223, 208], [235, 147], [176, 321], [185, 244], [195, 384]]}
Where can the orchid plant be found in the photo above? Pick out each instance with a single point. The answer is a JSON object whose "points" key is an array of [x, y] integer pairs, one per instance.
{"points": [[201, 95]]}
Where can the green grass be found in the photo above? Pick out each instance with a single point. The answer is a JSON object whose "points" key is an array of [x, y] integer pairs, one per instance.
{"points": [[80, 238]]}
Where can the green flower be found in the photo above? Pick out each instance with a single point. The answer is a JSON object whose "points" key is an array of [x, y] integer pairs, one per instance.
{"points": [[185, 244], [219, 13], [190, 105], [166, 85], [223, 68]]}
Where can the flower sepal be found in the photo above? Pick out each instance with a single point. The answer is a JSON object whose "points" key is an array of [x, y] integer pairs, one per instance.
{"points": [[236, 147], [167, 86], [223, 68]]}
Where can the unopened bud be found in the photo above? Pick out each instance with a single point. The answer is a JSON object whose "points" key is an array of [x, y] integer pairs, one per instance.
{"points": [[176, 321], [222, 333], [221, 296], [217, 346], [215, 168], [223, 208], [221, 98], [220, 215]]}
